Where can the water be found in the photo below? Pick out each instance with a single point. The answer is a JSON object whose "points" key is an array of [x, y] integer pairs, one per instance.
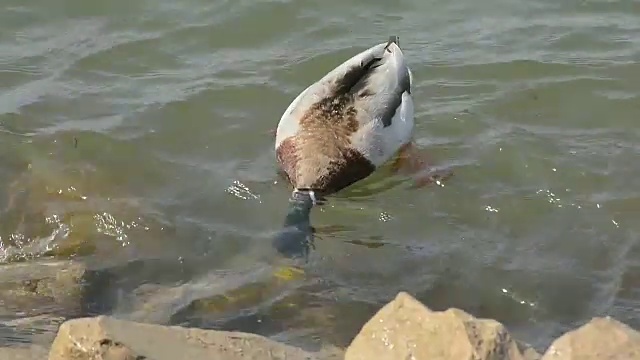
{"points": [[134, 138]]}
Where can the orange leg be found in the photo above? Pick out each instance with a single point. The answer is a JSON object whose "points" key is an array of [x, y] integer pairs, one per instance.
{"points": [[411, 161]]}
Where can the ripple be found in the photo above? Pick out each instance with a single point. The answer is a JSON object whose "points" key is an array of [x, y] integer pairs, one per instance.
{"points": [[533, 102]]}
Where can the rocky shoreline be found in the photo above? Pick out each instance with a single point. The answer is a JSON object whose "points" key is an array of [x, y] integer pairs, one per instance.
{"points": [[404, 329]]}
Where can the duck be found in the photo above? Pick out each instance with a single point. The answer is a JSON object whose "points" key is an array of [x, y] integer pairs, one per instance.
{"points": [[340, 130]]}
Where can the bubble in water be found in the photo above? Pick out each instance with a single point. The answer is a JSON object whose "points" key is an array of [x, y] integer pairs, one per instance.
{"points": [[384, 216], [517, 299], [241, 191], [490, 209]]}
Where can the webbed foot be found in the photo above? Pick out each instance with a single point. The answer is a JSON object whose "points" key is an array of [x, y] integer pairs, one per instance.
{"points": [[415, 163]]}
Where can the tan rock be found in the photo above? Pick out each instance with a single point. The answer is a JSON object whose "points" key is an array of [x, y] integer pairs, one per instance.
{"points": [[406, 329], [601, 339], [106, 338]]}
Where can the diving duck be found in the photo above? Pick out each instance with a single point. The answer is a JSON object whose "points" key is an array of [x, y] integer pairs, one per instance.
{"points": [[339, 130]]}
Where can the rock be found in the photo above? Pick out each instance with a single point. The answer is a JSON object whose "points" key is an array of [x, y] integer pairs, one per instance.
{"points": [[215, 292], [528, 352], [35, 297], [601, 338], [23, 353], [106, 338], [406, 329], [27, 287]]}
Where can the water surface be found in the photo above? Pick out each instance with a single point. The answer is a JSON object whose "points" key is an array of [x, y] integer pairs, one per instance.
{"points": [[134, 138]]}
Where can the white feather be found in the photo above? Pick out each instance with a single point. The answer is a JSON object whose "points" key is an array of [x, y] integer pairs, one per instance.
{"points": [[373, 140]]}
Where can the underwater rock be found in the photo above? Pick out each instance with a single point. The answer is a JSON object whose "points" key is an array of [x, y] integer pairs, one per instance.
{"points": [[28, 287]]}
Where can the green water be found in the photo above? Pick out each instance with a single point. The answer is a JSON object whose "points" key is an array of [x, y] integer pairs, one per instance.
{"points": [[134, 138]]}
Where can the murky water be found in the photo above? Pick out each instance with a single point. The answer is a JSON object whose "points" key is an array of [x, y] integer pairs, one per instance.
{"points": [[134, 138]]}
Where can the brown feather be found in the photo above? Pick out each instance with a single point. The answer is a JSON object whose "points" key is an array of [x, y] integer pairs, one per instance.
{"points": [[320, 157]]}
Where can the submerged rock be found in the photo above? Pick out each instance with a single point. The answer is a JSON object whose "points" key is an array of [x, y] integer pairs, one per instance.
{"points": [[406, 329], [36, 297], [601, 338], [28, 287], [67, 209], [103, 338]]}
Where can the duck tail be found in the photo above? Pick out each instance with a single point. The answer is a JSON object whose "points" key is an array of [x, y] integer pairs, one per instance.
{"points": [[295, 239]]}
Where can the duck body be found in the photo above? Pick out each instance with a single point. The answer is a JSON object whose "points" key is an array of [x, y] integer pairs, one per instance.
{"points": [[340, 129]]}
